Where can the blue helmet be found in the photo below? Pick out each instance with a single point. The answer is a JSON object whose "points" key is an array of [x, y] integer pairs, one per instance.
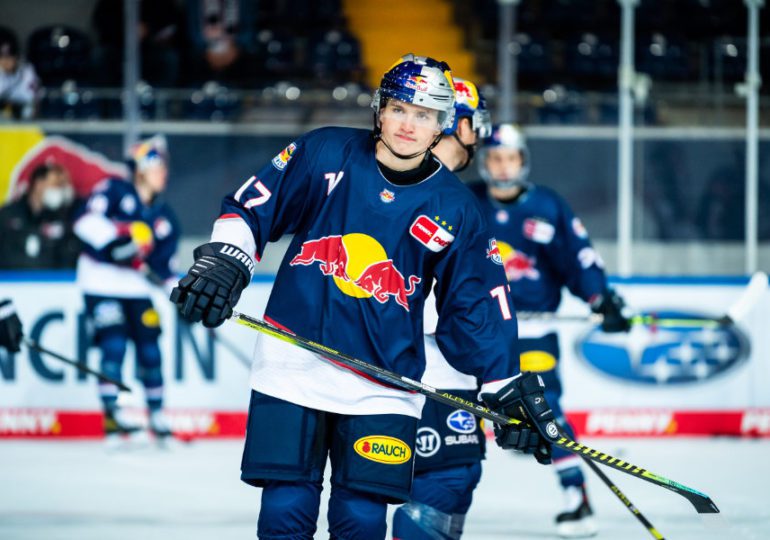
{"points": [[469, 103], [419, 80], [511, 137]]}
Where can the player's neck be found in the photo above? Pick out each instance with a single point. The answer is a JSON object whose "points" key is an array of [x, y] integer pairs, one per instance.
{"points": [[146, 194], [391, 161]]}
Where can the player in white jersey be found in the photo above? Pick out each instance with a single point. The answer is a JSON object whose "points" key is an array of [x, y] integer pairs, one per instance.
{"points": [[130, 238]]}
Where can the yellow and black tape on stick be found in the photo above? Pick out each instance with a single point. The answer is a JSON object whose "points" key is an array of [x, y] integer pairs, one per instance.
{"points": [[702, 502]]}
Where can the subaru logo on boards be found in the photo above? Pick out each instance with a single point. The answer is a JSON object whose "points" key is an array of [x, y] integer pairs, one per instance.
{"points": [[675, 353]]}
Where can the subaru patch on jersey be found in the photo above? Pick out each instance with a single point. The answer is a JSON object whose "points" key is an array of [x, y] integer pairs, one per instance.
{"points": [[461, 422], [383, 449]]}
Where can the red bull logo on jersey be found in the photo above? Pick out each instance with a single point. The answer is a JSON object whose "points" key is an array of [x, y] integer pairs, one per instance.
{"points": [[517, 264], [383, 449], [281, 160], [493, 252], [359, 266]]}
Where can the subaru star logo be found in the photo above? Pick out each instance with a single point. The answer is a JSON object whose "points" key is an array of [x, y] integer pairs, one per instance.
{"points": [[688, 352], [461, 422]]}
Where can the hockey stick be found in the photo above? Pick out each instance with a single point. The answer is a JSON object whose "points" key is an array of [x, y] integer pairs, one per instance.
{"points": [[622, 498], [735, 313], [81, 366], [702, 502]]}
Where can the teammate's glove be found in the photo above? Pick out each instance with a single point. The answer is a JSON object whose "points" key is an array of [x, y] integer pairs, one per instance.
{"points": [[610, 305], [133, 244], [523, 399], [10, 327], [213, 284]]}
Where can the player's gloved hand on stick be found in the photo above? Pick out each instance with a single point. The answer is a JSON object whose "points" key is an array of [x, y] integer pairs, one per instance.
{"points": [[133, 244], [10, 327], [610, 305], [213, 285], [523, 399]]}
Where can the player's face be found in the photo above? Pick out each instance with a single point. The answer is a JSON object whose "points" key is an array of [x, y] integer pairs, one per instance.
{"points": [[503, 163], [408, 128], [155, 177]]}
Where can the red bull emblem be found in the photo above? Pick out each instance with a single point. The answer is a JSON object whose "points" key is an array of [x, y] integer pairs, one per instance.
{"points": [[387, 196], [85, 167], [519, 266], [493, 252], [467, 93], [281, 160], [417, 82], [359, 266]]}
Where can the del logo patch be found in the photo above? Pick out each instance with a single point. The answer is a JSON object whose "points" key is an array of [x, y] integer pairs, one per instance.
{"points": [[538, 230], [281, 160], [430, 234], [383, 449]]}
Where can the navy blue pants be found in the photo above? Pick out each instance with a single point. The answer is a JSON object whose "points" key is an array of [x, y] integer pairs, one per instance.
{"points": [[116, 320], [285, 453]]}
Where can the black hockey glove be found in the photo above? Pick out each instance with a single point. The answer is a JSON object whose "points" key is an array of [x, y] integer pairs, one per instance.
{"points": [[523, 399], [10, 327], [213, 285], [610, 305]]}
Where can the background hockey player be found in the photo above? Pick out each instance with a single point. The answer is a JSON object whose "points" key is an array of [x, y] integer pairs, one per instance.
{"points": [[450, 442], [130, 238], [544, 247], [375, 220]]}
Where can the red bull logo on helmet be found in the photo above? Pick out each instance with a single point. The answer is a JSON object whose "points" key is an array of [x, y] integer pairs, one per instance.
{"points": [[417, 82], [517, 264], [467, 93], [359, 267]]}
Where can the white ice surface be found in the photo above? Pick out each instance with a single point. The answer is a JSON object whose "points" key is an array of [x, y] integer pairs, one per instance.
{"points": [[76, 490]]}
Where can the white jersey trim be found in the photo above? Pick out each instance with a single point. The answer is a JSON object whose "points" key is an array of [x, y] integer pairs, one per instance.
{"points": [[440, 374], [235, 231], [106, 279], [285, 371], [95, 230]]}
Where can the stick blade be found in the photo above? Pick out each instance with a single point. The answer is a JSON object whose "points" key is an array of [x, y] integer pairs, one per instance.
{"points": [[754, 290]]}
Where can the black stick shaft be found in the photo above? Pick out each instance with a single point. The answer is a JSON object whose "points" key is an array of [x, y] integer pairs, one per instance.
{"points": [[82, 367], [625, 500], [702, 502]]}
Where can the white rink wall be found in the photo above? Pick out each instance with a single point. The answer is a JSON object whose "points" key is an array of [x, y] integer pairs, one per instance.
{"points": [[729, 385]]}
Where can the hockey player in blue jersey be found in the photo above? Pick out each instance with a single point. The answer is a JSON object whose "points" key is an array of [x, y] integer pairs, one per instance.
{"points": [[450, 442], [544, 247], [375, 218], [130, 238]]}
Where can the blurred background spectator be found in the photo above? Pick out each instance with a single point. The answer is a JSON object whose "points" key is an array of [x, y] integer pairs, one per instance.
{"points": [[221, 34], [160, 38], [36, 230], [18, 80]]}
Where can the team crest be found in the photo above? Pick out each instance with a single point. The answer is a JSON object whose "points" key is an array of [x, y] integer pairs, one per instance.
{"points": [[493, 252], [387, 196], [281, 160]]}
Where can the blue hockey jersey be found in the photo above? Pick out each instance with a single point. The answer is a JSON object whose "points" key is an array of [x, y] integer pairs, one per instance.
{"points": [[544, 247], [112, 206], [364, 254]]}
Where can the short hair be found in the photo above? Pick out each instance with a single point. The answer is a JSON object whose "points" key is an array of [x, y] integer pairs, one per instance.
{"points": [[9, 44], [39, 173]]}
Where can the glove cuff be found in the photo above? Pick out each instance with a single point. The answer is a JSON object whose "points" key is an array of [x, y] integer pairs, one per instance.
{"points": [[230, 254]]}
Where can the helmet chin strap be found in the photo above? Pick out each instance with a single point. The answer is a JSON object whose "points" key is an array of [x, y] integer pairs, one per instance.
{"points": [[378, 137], [470, 151]]}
